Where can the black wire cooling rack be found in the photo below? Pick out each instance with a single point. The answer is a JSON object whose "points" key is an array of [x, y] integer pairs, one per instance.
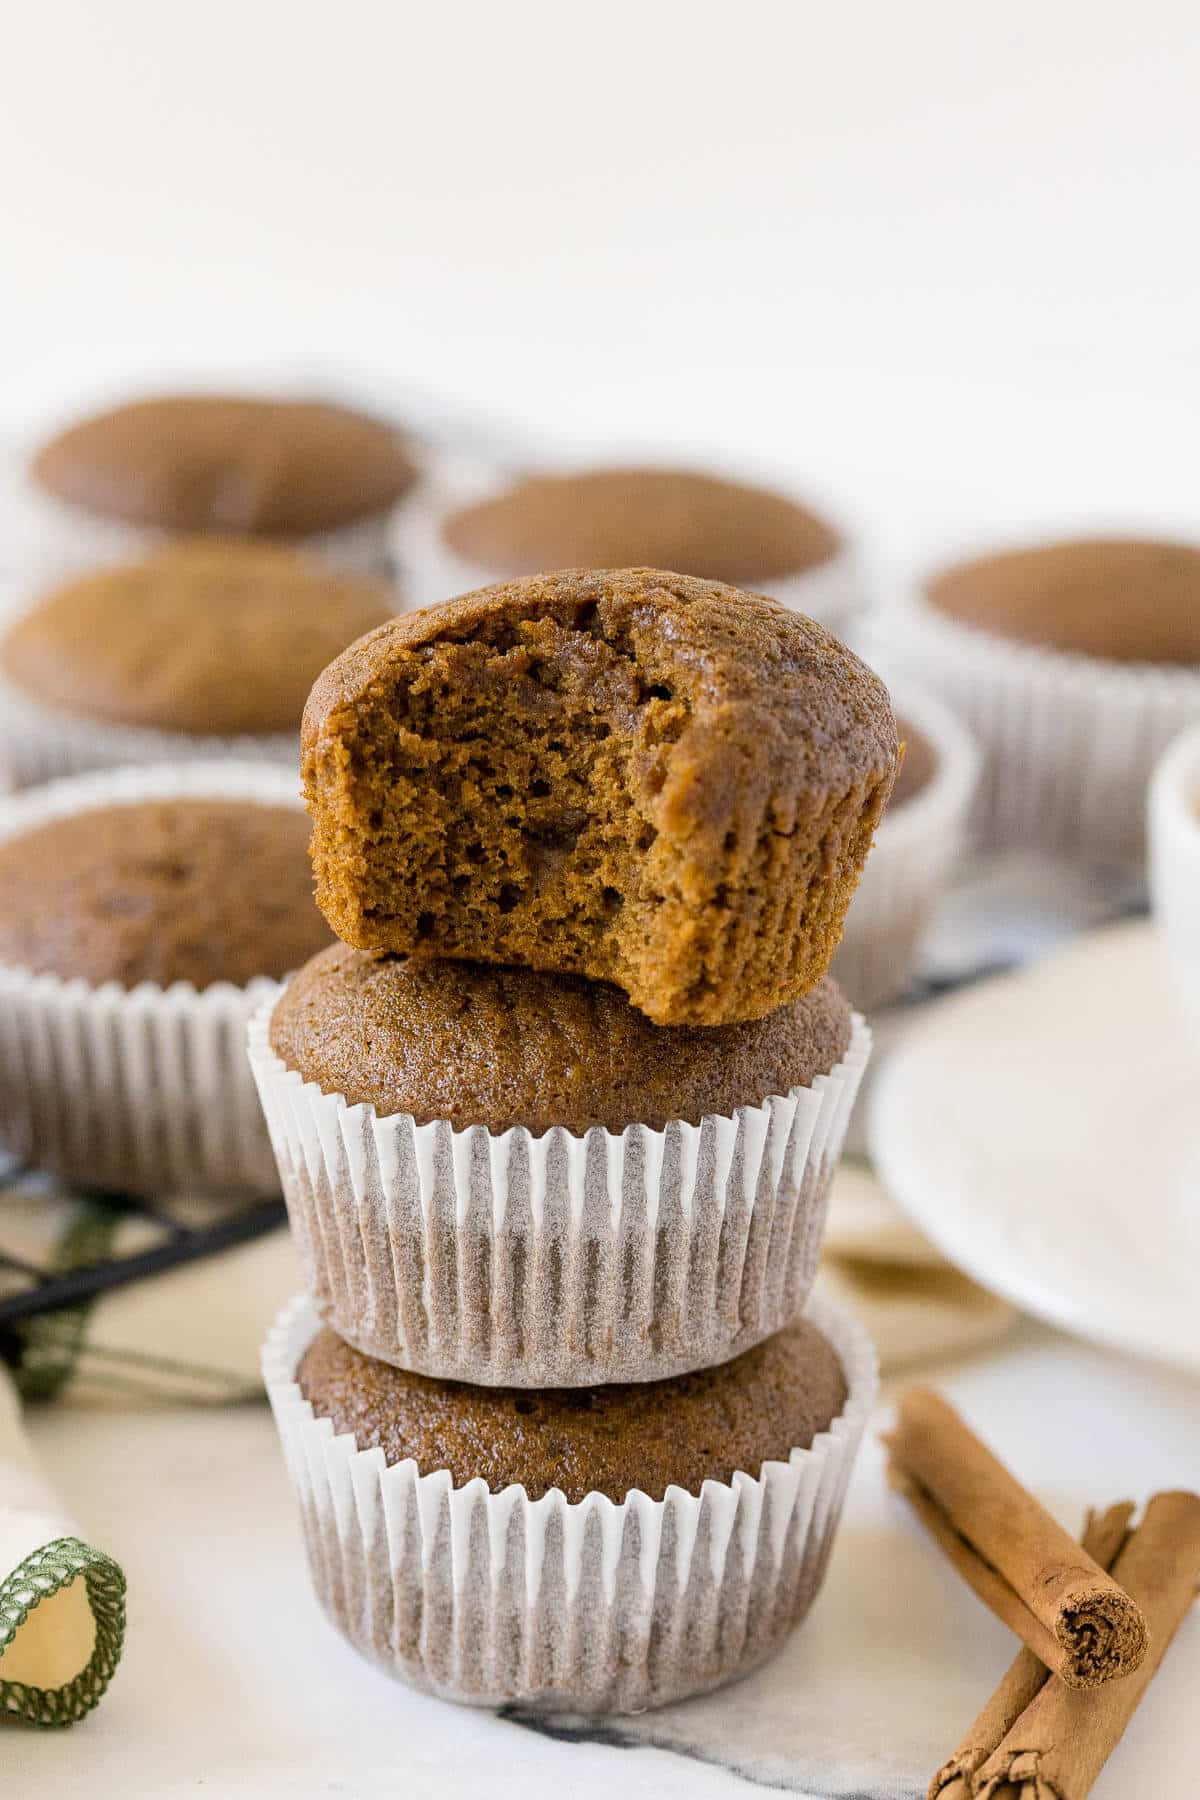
{"points": [[27, 1288]]}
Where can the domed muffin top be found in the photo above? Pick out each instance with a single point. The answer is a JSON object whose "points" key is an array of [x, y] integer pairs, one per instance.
{"points": [[648, 1435], [1130, 600], [208, 636], [641, 518], [228, 463], [164, 890], [482, 1045]]}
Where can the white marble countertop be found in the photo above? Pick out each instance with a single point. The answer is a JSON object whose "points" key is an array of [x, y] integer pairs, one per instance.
{"points": [[233, 1684]]}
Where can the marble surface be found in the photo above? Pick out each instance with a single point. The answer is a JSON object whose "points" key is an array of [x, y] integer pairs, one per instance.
{"points": [[233, 1684]]}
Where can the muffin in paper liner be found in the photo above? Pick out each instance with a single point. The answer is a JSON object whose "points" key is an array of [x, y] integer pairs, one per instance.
{"points": [[43, 743], [559, 1260], [831, 591], [1069, 740], [135, 1088], [589, 1607], [915, 850], [45, 539]]}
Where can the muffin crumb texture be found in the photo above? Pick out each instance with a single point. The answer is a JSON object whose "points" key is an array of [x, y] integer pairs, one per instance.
{"points": [[633, 776], [610, 1440], [193, 890]]}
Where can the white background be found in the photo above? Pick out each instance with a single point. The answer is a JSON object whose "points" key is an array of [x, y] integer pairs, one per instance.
{"points": [[938, 260]]}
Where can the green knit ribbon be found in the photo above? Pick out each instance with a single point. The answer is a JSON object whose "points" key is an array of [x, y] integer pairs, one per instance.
{"points": [[38, 1578], [51, 1342]]}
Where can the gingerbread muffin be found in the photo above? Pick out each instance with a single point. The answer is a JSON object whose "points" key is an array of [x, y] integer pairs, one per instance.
{"points": [[631, 775], [622, 1547], [483, 1045], [649, 1435], [918, 846], [642, 519], [918, 768], [161, 890], [1125, 600], [543, 1188], [144, 916], [228, 463], [1075, 664], [207, 637], [465, 530]]}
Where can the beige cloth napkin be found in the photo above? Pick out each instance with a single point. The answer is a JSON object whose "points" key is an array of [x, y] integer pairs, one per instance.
{"points": [[914, 1304], [190, 1334], [193, 1334]]}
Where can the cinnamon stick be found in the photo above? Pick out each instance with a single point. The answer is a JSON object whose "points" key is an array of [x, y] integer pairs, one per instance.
{"points": [[1064, 1737], [1019, 1560], [1103, 1538]]}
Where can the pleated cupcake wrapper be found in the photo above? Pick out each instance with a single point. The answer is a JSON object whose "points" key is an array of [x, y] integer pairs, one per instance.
{"points": [[557, 1260], [1174, 809], [44, 540], [429, 570], [593, 1606], [145, 1087], [1069, 741], [915, 851], [42, 743]]}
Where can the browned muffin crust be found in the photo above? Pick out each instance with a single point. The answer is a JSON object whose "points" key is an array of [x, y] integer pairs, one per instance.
{"points": [[209, 637], [1130, 600], [642, 518], [918, 768], [650, 1435], [161, 890], [629, 775], [482, 1045], [228, 463]]}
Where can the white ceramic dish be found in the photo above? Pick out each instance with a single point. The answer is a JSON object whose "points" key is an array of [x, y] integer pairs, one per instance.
{"points": [[1043, 1130]]}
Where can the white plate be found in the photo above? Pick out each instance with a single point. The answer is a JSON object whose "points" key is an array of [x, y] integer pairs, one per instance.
{"points": [[1043, 1130]]}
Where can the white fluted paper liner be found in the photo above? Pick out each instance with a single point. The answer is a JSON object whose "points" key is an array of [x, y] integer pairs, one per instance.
{"points": [[44, 743], [429, 570], [1175, 869], [556, 1261], [593, 1606], [135, 1088], [1069, 741], [44, 539], [916, 848]]}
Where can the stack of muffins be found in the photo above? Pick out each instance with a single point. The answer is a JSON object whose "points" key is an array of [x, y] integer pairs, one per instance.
{"points": [[556, 1122]]}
